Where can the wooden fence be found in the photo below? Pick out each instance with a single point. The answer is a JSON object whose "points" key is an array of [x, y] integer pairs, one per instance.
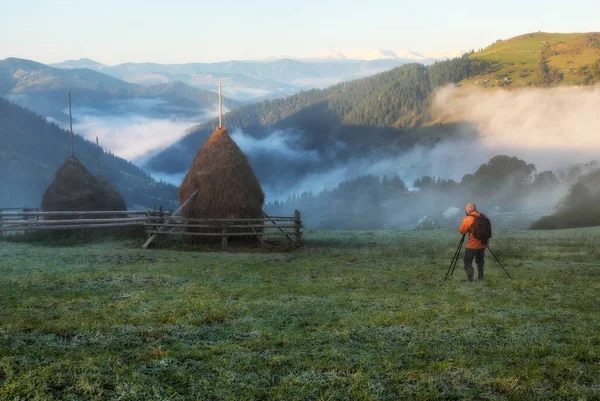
{"points": [[12, 218], [156, 223]]}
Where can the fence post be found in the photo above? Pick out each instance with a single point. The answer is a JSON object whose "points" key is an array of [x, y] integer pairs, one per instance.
{"points": [[298, 224], [148, 226], [224, 239]]}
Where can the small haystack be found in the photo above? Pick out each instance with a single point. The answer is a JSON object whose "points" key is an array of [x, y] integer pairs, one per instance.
{"points": [[74, 188], [227, 185]]}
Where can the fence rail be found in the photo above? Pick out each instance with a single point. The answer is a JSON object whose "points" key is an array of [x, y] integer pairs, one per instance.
{"points": [[74, 213], [21, 220], [177, 218]]}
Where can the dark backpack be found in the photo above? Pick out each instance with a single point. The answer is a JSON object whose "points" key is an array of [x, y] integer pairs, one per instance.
{"points": [[482, 228]]}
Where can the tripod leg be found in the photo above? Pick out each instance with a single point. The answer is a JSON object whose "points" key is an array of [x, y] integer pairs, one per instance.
{"points": [[450, 267], [451, 264], [499, 262], [455, 257]]}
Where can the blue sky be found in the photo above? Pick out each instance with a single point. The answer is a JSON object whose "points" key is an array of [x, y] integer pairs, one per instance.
{"points": [[176, 31]]}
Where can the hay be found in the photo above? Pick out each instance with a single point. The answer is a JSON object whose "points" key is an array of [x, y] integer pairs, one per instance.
{"points": [[114, 200], [74, 188], [227, 185]]}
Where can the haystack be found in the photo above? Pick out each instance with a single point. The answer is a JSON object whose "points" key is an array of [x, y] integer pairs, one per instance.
{"points": [[114, 200], [227, 185], [74, 188]]}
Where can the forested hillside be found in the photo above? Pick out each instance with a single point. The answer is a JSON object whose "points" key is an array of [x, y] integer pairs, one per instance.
{"points": [[385, 114], [33, 149], [395, 98], [348, 113], [400, 99]]}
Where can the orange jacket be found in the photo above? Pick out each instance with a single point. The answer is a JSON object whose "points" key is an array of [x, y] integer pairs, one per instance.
{"points": [[472, 243]]}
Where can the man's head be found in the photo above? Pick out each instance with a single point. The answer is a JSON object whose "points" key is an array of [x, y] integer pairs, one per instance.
{"points": [[470, 208]]}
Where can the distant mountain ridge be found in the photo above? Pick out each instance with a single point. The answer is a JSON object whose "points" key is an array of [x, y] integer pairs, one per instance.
{"points": [[43, 89], [79, 63], [383, 54], [254, 80]]}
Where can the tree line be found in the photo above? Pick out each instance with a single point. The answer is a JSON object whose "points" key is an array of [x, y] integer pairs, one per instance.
{"points": [[504, 184]]}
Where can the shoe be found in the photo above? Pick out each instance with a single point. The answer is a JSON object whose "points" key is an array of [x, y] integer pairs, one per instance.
{"points": [[466, 281]]}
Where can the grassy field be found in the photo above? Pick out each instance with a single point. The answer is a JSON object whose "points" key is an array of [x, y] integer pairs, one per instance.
{"points": [[352, 315], [517, 59]]}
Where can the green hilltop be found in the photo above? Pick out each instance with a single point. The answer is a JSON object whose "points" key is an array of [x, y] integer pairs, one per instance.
{"points": [[540, 59]]}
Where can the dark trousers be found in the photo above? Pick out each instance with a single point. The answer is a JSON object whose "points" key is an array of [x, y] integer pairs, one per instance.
{"points": [[478, 255]]}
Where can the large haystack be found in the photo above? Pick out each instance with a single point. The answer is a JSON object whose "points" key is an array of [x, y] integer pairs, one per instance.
{"points": [[227, 185], [114, 200], [74, 188]]}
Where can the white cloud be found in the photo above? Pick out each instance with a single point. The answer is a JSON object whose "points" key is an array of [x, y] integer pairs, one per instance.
{"points": [[134, 129], [132, 136], [285, 143]]}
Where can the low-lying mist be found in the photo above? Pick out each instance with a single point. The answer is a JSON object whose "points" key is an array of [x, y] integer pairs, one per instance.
{"points": [[551, 128], [136, 129]]}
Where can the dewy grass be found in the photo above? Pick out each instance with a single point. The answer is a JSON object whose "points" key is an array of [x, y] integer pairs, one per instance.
{"points": [[352, 315]]}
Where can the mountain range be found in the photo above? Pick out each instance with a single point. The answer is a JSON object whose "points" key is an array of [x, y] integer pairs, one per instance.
{"points": [[44, 89], [252, 81]]}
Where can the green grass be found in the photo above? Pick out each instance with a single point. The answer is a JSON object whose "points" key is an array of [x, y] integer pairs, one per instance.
{"points": [[352, 315], [517, 58]]}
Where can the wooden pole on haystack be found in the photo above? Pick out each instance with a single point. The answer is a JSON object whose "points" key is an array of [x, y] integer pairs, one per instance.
{"points": [[220, 107], [71, 126], [97, 158]]}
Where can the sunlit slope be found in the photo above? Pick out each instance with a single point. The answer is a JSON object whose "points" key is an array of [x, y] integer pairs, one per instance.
{"points": [[540, 59]]}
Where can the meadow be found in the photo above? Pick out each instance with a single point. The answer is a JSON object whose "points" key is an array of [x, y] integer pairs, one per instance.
{"points": [[517, 59], [359, 315]]}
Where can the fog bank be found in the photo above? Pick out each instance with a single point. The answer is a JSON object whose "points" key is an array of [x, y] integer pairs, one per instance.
{"points": [[550, 128]]}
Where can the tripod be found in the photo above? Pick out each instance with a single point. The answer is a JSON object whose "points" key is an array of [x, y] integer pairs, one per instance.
{"points": [[457, 255], [501, 265]]}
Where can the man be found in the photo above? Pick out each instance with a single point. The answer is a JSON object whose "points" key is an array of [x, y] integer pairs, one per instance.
{"points": [[475, 247]]}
